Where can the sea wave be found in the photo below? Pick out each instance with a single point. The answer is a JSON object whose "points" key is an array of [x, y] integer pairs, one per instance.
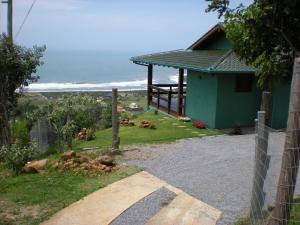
{"points": [[68, 87], [174, 78]]}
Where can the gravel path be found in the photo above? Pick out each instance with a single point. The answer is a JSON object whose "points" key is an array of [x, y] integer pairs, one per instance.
{"points": [[217, 170], [143, 210]]}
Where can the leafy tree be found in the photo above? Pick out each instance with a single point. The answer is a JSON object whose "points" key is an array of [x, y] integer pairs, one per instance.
{"points": [[266, 34], [18, 66]]}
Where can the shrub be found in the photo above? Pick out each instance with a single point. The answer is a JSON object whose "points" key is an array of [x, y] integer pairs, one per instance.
{"points": [[21, 132], [106, 116], [68, 132], [17, 156], [237, 130], [90, 135], [126, 115]]}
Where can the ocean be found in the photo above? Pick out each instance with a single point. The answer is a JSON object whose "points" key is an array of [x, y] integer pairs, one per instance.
{"points": [[65, 71]]}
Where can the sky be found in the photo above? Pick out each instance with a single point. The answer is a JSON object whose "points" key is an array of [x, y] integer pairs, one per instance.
{"points": [[112, 25]]}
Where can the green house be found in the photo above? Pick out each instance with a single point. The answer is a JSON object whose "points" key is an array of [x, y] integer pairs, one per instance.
{"points": [[220, 90]]}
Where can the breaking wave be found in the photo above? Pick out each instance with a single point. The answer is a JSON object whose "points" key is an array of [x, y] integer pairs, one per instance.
{"points": [[68, 87]]}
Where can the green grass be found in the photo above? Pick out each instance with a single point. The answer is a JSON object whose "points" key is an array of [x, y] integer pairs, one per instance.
{"points": [[32, 198], [166, 132], [294, 220]]}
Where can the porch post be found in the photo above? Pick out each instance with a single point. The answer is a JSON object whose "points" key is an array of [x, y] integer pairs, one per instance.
{"points": [[180, 92], [150, 80]]}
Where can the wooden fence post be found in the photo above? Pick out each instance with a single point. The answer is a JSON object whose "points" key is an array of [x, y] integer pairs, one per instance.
{"points": [[266, 105], [290, 159], [261, 167], [115, 120]]}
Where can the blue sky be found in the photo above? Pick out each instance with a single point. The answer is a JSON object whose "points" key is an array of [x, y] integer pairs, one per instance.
{"points": [[112, 25]]}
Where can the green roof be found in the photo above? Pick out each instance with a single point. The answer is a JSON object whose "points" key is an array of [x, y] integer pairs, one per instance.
{"points": [[212, 61]]}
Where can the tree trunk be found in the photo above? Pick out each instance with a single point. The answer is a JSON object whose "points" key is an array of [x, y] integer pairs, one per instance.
{"points": [[4, 125], [290, 159]]}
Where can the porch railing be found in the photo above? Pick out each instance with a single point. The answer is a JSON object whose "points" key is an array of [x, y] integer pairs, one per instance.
{"points": [[164, 93]]}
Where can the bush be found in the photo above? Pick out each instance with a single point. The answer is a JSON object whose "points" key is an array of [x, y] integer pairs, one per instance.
{"points": [[106, 116], [90, 135], [126, 115], [21, 133], [17, 156]]}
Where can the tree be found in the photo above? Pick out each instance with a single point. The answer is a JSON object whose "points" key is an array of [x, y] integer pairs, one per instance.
{"points": [[266, 34], [18, 67]]}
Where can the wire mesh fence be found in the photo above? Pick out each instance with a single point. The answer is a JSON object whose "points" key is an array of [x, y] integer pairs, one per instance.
{"points": [[269, 156]]}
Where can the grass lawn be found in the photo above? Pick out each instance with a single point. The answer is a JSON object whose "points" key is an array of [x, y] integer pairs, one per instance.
{"points": [[167, 130], [32, 198]]}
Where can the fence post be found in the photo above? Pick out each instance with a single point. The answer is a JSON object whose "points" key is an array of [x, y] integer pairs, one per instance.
{"points": [[261, 167], [115, 120], [266, 105]]}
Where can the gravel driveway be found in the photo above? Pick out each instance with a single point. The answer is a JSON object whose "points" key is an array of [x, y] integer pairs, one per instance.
{"points": [[217, 170]]}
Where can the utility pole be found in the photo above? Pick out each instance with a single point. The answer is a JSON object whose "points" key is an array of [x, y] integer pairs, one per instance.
{"points": [[9, 17]]}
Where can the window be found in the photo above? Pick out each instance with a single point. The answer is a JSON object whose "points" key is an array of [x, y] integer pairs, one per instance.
{"points": [[243, 83]]}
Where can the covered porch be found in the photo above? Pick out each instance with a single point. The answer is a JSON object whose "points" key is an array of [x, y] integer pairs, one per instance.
{"points": [[169, 98]]}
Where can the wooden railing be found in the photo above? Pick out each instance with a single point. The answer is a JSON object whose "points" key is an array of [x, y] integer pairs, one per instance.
{"points": [[164, 92]]}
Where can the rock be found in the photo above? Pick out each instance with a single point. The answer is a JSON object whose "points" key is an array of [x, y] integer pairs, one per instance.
{"points": [[29, 169], [35, 166], [106, 160], [68, 155], [81, 159], [107, 169]]}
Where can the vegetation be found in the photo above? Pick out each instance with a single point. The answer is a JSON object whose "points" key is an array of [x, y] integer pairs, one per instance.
{"points": [[18, 66], [17, 155], [29, 199], [265, 34], [167, 130], [295, 215]]}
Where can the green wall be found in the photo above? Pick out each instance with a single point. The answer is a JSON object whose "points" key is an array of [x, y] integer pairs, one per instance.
{"points": [[201, 100], [212, 99], [235, 107], [220, 42], [280, 105]]}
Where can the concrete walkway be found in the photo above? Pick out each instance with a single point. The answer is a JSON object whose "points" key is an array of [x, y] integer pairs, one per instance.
{"points": [[105, 205]]}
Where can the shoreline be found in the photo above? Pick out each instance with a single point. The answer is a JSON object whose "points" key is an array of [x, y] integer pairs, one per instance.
{"points": [[82, 91]]}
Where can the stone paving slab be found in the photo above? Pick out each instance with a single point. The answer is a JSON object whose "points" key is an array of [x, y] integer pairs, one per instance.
{"points": [[104, 205], [186, 210]]}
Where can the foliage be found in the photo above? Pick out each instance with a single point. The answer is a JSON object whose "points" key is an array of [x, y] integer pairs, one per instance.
{"points": [[265, 34], [126, 115], [68, 115], [106, 116], [69, 131], [18, 66], [17, 155], [21, 133], [90, 135]]}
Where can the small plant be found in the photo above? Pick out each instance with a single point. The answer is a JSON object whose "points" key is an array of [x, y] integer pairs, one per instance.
{"points": [[17, 156], [21, 132], [90, 135], [155, 112], [237, 130], [68, 131]]}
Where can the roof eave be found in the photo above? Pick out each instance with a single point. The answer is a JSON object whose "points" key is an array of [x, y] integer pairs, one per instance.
{"points": [[216, 28]]}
